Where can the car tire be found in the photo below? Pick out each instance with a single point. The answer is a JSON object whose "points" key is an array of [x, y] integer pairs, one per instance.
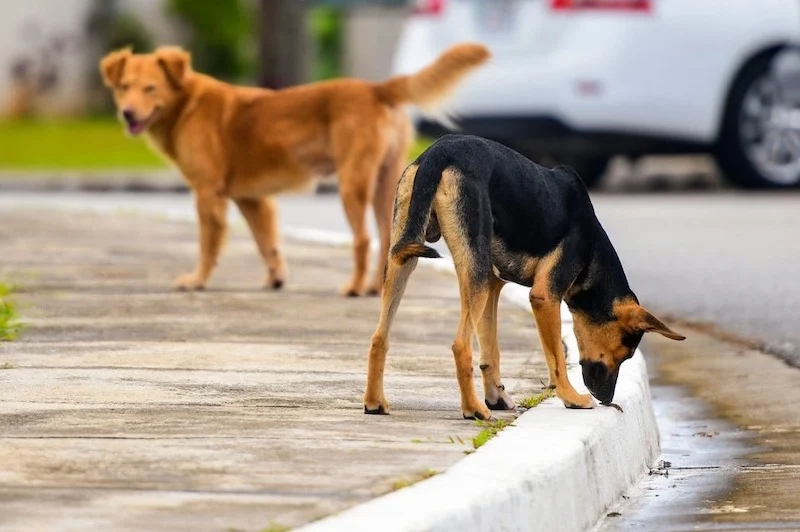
{"points": [[744, 132]]}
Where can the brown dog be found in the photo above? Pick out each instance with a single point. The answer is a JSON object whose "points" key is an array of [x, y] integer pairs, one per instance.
{"points": [[247, 144]]}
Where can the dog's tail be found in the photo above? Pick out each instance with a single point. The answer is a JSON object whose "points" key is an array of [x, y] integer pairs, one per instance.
{"points": [[431, 85], [411, 242]]}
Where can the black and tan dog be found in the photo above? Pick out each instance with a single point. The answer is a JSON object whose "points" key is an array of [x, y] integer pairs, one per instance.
{"points": [[506, 219]]}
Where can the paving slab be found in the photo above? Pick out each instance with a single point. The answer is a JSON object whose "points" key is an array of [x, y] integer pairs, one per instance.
{"points": [[129, 406]]}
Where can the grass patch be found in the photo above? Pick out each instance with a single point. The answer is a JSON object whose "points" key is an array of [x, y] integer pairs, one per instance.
{"points": [[276, 527], [420, 145], [9, 320], [87, 144], [404, 482], [7, 365], [72, 144], [490, 430], [534, 400]]}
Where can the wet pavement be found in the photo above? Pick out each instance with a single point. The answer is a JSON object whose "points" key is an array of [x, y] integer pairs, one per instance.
{"points": [[729, 429]]}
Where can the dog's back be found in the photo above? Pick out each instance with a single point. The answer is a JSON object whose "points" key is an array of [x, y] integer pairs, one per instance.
{"points": [[498, 198]]}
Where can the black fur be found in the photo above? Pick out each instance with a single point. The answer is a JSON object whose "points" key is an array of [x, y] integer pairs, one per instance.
{"points": [[528, 209]]}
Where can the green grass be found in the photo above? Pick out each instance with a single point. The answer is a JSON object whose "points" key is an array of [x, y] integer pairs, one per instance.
{"points": [[420, 145], [86, 144], [404, 483], [77, 144], [276, 527], [9, 320], [490, 430], [534, 400]]}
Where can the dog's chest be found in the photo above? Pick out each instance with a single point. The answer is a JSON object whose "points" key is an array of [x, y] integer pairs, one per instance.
{"points": [[512, 266]]}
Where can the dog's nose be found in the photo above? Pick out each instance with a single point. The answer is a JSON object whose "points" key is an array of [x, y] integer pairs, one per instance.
{"points": [[599, 380], [128, 115]]}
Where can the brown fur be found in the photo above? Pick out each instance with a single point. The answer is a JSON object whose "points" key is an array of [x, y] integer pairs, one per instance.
{"points": [[247, 144], [600, 342]]}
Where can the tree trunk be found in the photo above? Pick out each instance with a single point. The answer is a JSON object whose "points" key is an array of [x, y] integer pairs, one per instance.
{"points": [[283, 43]]}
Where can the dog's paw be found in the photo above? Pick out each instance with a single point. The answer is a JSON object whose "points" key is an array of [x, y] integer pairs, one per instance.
{"points": [[351, 290], [377, 407], [190, 281], [500, 400], [576, 400], [480, 413], [273, 283]]}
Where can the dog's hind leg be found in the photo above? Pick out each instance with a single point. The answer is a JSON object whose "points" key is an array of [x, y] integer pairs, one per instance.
{"points": [[496, 397], [388, 178], [262, 217], [465, 225], [357, 180], [394, 287]]}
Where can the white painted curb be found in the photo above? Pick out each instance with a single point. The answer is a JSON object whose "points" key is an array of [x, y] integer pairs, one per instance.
{"points": [[554, 469]]}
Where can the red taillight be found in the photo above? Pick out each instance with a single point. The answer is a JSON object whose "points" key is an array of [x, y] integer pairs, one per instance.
{"points": [[429, 7], [602, 5]]}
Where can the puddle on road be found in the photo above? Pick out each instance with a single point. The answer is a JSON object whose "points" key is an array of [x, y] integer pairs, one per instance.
{"points": [[700, 457]]}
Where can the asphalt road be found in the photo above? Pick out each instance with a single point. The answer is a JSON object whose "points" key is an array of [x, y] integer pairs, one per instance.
{"points": [[725, 258]]}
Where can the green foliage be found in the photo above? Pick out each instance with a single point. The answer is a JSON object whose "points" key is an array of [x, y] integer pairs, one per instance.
{"points": [[220, 30], [276, 527], [73, 144], [9, 321], [126, 30], [534, 400], [490, 430], [406, 482], [327, 29]]}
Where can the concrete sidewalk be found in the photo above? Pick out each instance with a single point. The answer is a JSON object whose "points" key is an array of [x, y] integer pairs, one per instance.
{"points": [[128, 406]]}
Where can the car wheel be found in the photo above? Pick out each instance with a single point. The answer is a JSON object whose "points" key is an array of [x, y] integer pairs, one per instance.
{"points": [[591, 169], [759, 145]]}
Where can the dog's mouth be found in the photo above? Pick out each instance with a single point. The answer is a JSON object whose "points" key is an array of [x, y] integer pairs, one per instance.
{"points": [[138, 126]]}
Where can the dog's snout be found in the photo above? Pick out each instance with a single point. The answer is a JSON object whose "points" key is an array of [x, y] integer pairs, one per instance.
{"points": [[129, 115], [600, 381]]}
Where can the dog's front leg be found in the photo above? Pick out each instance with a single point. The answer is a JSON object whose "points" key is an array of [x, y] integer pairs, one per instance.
{"points": [[547, 310], [211, 212], [262, 217]]}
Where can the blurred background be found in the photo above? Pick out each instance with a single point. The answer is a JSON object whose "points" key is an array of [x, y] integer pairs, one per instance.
{"points": [[607, 86]]}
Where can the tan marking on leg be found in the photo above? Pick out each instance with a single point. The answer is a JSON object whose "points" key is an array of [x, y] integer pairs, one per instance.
{"points": [[473, 298], [394, 287], [473, 302], [547, 311], [495, 395], [382, 203], [402, 203]]}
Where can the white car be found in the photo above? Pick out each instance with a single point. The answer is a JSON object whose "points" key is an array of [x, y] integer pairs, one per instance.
{"points": [[580, 81]]}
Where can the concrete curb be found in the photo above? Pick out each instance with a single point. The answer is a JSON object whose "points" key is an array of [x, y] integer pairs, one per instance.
{"points": [[554, 469]]}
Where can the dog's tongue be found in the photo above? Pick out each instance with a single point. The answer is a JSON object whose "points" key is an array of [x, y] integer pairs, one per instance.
{"points": [[135, 128]]}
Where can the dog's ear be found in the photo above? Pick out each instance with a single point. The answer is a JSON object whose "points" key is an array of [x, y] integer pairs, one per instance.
{"points": [[635, 318], [113, 65], [175, 62]]}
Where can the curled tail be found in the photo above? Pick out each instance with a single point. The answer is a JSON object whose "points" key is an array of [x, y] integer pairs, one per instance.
{"points": [[434, 83], [411, 242]]}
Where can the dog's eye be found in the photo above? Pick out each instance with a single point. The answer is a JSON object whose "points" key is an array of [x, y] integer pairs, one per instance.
{"points": [[150, 89], [124, 87]]}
